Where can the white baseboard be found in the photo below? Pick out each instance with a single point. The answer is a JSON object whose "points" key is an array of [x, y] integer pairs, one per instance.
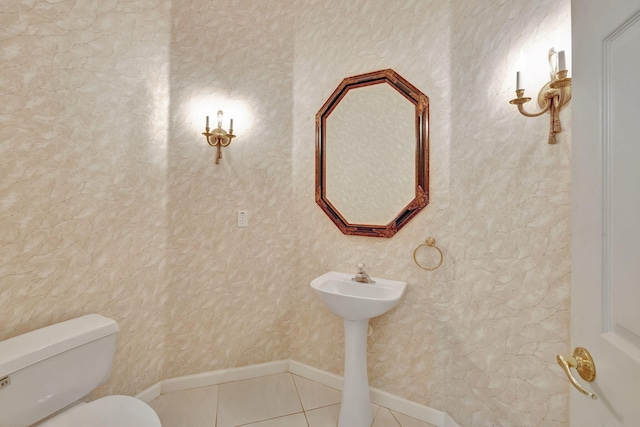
{"points": [[379, 397], [210, 378], [150, 393], [315, 374]]}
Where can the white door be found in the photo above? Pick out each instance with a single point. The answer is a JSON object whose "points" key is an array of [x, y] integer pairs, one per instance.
{"points": [[605, 242]]}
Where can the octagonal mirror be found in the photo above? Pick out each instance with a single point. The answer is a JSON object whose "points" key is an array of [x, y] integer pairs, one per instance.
{"points": [[372, 154]]}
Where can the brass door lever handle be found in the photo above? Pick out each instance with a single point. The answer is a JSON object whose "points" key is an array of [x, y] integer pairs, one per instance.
{"points": [[583, 362]]}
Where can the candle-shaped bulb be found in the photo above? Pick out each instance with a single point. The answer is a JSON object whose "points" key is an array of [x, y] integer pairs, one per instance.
{"points": [[220, 119], [518, 81], [207, 125], [553, 64], [231, 126], [562, 64]]}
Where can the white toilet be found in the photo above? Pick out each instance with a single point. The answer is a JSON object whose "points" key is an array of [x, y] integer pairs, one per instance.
{"points": [[45, 374]]}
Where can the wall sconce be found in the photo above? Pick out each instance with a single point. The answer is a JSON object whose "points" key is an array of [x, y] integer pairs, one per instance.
{"points": [[219, 137], [552, 97]]}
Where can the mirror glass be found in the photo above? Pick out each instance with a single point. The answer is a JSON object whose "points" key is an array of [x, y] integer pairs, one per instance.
{"points": [[372, 154]]}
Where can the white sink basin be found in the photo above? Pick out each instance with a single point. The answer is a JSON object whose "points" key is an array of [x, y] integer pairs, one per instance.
{"points": [[356, 303], [352, 300]]}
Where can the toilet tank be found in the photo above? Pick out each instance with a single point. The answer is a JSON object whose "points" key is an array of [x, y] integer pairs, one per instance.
{"points": [[46, 370]]}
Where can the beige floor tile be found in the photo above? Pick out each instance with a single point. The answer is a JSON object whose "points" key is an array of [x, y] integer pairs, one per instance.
{"points": [[296, 420], [257, 399], [270, 401], [328, 415], [194, 408], [323, 417], [407, 421], [314, 395], [384, 418]]}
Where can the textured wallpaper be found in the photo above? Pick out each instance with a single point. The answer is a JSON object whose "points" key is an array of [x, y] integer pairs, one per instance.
{"points": [[83, 135], [111, 201], [230, 288]]}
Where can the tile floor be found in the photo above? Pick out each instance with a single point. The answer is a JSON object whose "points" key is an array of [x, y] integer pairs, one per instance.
{"points": [[280, 400]]}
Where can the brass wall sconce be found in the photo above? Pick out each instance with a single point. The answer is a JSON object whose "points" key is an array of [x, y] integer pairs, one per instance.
{"points": [[552, 97], [219, 137]]}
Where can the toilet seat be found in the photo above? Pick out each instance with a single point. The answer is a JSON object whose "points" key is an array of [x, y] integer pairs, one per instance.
{"points": [[109, 411]]}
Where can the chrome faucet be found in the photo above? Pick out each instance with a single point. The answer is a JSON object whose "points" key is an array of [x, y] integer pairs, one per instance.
{"points": [[361, 275]]}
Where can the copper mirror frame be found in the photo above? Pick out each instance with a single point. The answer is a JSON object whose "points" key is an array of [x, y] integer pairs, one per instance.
{"points": [[421, 171]]}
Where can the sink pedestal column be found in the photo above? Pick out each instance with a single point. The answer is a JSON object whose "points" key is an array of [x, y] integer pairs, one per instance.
{"points": [[355, 410]]}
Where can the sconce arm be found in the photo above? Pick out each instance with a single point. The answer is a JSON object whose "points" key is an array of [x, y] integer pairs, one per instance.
{"points": [[521, 100], [539, 113], [554, 95]]}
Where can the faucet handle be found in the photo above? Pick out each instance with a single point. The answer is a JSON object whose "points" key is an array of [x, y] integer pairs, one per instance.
{"points": [[360, 267]]}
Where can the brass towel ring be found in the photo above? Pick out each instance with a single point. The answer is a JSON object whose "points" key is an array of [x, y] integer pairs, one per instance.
{"points": [[432, 243]]}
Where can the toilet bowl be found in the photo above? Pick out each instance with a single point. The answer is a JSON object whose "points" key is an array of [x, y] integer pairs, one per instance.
{"points": [[116, 411], [46, 374]]}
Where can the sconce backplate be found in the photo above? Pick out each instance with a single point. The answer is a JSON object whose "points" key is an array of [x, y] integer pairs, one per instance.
{"points": [[542, 99]]}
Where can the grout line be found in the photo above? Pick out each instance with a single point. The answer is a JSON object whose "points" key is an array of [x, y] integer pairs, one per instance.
{"points": [[306, 418], [395, 418], [215, 424], [298, 393], [272, 418]]}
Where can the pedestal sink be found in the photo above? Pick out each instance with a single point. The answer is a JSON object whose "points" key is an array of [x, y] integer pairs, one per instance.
{"points": [[356, 303]]}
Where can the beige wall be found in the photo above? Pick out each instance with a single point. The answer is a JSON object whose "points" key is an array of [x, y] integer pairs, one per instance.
{"points": [[111, 203], [83, 165], [230, 288]]}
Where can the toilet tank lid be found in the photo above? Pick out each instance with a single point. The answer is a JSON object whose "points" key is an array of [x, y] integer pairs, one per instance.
{"points": [[24, 350]]}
